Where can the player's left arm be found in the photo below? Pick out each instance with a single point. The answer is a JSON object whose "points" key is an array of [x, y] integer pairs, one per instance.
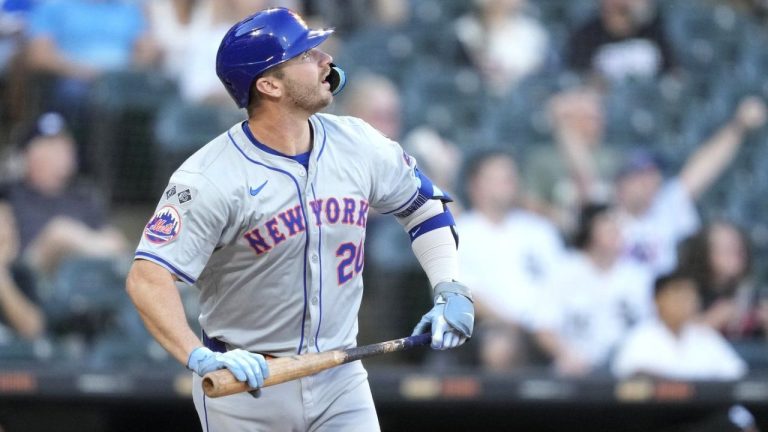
{"points": [[399, 188], [434, 241]]}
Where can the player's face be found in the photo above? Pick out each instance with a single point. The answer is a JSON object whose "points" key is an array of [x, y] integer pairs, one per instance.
{"points": [[304, 80]]}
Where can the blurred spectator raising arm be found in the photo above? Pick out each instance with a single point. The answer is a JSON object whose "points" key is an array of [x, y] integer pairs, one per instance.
{"points": [[710, 160], [658, 215], [577, 168]]}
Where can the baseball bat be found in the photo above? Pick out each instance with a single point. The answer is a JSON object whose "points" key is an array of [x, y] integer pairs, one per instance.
{"points": [[223, 383]]}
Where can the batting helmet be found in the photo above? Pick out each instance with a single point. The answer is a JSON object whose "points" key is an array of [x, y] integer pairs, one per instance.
{"points": [[259, 42]]}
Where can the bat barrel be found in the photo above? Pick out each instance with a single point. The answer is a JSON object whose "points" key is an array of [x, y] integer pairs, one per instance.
{"points": [[223, 383]]}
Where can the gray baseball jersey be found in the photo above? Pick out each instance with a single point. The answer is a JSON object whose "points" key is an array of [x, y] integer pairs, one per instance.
{"points": [[275, 249]]}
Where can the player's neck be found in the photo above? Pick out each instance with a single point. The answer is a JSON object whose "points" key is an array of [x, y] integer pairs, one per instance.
{"points": [[290, 135]]}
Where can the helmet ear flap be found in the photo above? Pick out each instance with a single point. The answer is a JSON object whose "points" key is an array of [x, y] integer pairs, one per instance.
{"points": [[337, 79]]}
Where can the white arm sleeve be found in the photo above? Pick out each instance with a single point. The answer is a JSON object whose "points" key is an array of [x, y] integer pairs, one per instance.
{"points": [[435, 250]]}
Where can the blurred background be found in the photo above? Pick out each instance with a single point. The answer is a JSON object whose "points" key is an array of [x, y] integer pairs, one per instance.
{"points": [[608, 161]]}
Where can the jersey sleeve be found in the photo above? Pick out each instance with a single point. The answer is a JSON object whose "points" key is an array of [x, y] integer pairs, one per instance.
{"points": [[186, 227], [398, 187]]}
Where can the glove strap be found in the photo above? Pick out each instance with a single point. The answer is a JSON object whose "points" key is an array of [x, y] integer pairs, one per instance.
{"points": [[452, 287]]}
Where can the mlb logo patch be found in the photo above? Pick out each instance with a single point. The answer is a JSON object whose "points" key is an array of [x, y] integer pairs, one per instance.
{"points": [[170, 192], [184, 196], [164, 226]]}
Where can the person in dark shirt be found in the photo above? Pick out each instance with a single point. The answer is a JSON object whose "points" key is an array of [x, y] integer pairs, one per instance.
{"points": [[719, 257], [626, 39], [20, 315], [55, 216]]}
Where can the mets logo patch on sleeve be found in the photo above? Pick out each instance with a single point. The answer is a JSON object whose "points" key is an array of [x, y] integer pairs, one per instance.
{"points": [[164, 226]]}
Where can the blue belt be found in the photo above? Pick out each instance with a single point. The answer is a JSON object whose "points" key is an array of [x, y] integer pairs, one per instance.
{"points": [[214, 344]]}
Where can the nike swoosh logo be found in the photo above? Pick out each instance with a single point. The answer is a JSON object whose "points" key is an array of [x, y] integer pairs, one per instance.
{"points": [[416, 231], [256, 191]]}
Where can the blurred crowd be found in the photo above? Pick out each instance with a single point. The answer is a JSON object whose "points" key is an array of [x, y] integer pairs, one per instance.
{"points": [[607, 158]]}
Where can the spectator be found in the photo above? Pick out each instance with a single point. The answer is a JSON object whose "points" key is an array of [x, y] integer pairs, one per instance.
{"points": [[657, 216], [375, 99], [173, 24], [577, 169], [56, 217], [677, 346], [508, 255], [719, 258], [19, 313], [77, 40], [596, 297], [189, 59], [502, 42], [626, 39]]}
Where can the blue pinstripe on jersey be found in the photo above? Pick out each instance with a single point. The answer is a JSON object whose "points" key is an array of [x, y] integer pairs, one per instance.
{"points": [[320, 293], [322, 146], [306, 223]]}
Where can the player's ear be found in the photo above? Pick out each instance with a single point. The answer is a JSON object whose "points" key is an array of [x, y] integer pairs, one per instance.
{"points": [[269, 85]]}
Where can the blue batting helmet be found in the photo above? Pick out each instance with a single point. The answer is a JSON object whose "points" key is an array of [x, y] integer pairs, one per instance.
{"points": [[259, 42]]}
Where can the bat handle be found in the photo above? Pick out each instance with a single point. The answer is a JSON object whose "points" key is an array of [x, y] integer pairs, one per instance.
{"points": [[419, 340]]}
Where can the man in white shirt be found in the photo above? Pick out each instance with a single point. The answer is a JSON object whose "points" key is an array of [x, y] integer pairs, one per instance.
{"points": [[508, 255], [675, 346], [595, 298]]}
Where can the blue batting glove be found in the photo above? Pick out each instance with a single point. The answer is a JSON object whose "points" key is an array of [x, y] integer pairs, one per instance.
{"points": [[451, 320], [244, 365]]}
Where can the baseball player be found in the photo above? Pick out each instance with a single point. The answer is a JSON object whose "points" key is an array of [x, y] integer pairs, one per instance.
{"points": [[268, 222]]}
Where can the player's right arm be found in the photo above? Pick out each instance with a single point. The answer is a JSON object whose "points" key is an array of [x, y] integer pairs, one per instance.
{"points": [[154, 293], [176, 244]]}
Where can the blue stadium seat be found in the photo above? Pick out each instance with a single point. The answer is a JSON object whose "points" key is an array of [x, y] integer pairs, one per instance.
{"points": [[704, 37], [521, 117], [182, 128], [636, 113], [446, 99], [379, 50], [86, 293], [123, 107], [132, 90]]}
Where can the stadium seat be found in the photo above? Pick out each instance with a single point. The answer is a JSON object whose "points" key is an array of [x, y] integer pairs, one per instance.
{"points": [[521, 117], [126, 90], [124, 105], [179, 130], [445, 99], [86, 293], [704, 37], [636, 113]]}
